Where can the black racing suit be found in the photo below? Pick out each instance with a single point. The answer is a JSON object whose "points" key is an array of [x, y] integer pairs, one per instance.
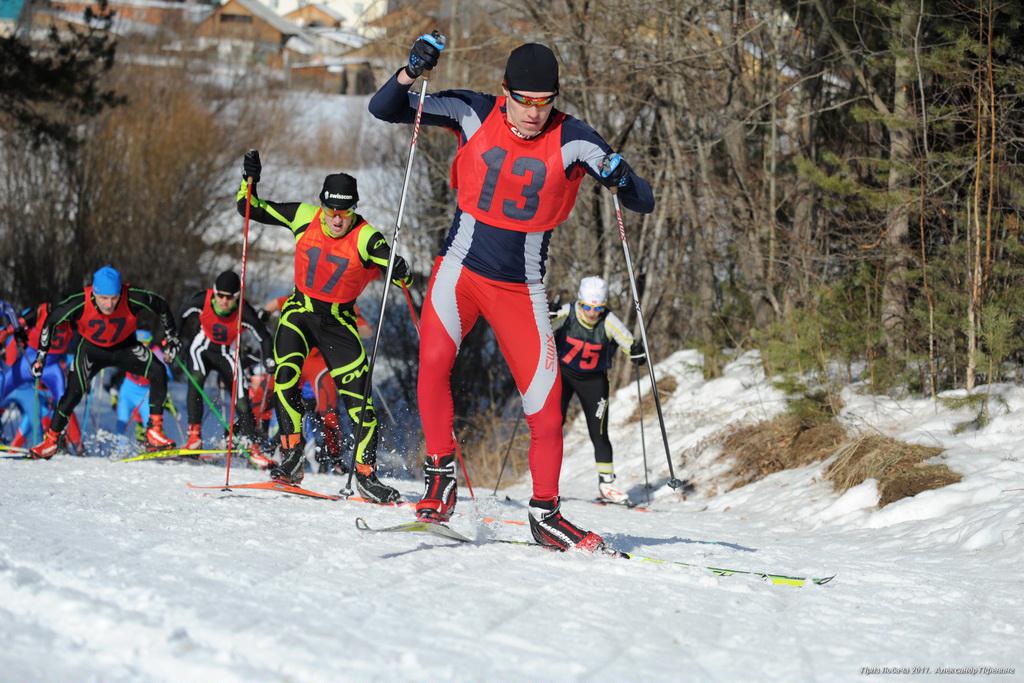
{"points": [[203, 354], [130, 354], [585, 354]]}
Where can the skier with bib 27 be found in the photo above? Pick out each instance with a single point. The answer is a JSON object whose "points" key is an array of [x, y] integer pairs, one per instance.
{"points": [[518, 168], [337, 254], [587, 334], [105, 315]]}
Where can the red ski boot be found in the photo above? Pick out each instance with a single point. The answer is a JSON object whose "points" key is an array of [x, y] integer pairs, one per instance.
{"points": [[156, 440], [195, 438], [46, 449]]}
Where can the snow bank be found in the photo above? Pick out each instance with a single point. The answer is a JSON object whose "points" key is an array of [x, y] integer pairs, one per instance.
{"points": [[117, 572]]}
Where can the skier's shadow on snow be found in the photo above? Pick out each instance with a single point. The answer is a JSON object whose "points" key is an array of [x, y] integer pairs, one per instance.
{"points": [[418, 548], [627, 543]]}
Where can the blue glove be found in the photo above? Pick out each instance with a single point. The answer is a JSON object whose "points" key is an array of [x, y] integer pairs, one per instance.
{"points": [[615, 170], [424, 54]]}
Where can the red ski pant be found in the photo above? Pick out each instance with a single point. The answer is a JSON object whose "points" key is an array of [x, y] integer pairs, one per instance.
{"points": [[518, 314]]}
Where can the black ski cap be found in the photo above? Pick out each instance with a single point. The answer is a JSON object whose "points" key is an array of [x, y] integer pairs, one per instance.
{"points": [[532, 67], [339, 191], [228, 283]]}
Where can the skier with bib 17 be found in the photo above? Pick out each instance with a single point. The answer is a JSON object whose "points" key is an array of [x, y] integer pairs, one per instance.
{"points": [[337, 254], [105, 315], [517, 171], [587, 334]]}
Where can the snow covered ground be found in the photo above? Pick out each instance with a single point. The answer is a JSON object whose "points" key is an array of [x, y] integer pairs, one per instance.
{"points": [[116, 572]]}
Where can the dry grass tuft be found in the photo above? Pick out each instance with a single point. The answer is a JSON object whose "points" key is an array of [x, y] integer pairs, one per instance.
{"points": [[779, 444], [899, 468], [666, 387], [788, 441]]}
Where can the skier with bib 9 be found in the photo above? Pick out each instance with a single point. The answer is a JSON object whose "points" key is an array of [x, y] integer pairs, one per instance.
{"points": [[337, 254], [105, 315], [587, 334], [209, 331], [516, 173]]}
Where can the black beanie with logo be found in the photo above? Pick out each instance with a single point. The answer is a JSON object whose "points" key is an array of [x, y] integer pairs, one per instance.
{"points": [[339, 191]]}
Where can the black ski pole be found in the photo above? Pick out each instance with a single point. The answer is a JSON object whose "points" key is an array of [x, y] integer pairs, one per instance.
{"points": [[347, 491], [643, 440], [508, 451], [673, 482]]}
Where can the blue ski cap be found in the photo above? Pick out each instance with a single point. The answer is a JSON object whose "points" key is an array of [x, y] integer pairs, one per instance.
{"points": [[106, 281], [144, 337]]}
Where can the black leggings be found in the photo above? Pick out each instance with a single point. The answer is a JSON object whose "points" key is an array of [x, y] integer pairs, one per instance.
{"points": [[332, 329], [204, 358], [592, 388], [131, 356]]}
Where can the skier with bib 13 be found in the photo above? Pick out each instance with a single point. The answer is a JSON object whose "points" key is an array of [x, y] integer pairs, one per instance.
{"points": [[516, 174]]}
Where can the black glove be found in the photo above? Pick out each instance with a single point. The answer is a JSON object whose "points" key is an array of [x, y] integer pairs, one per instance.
{"points": [[637, 354], [269, 364], [614, 171], [251, 165], [424, 54], [37, 367], [553, 308], [171, 346], [400, 274]]}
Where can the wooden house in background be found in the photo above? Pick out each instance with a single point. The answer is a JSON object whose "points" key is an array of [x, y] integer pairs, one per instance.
{"points": [[243, 30], [315, 15]]}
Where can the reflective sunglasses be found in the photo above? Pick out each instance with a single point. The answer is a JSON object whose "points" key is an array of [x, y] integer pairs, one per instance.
{"points": [[331, 213], [532, 101], [226, 295], [588, 308]]}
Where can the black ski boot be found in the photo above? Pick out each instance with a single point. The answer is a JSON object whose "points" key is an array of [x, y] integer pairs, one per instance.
{"points": [[441, 492], [291, 469], [550, 528], [373, 489]]}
